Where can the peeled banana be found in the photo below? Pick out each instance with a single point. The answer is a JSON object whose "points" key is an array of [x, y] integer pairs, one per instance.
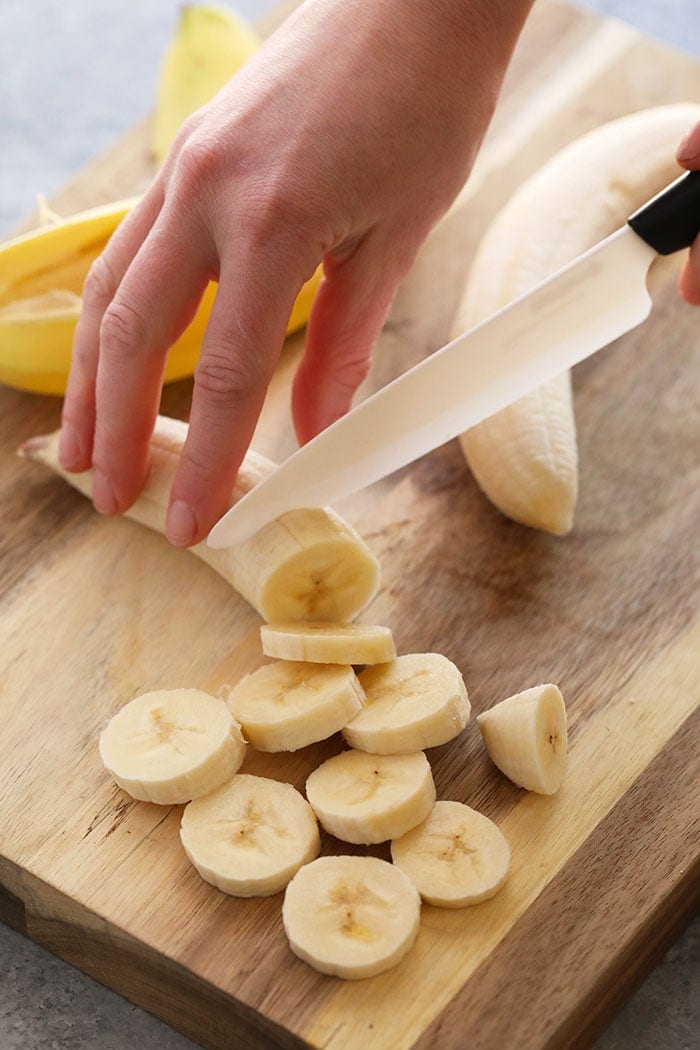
{"points": [[328, 643], [414, 702], [371, 798], [309, 564], [352, 917], [250, 836], [524, 457], [170, 746], [454, 858], [525, 736], [210, 44], [285, 706], [41, 281]]}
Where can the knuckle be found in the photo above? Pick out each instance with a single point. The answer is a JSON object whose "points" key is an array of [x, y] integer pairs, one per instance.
{"points": [[227, 379], [351, 371], [100, 283], [198, 162], [122, 330]]}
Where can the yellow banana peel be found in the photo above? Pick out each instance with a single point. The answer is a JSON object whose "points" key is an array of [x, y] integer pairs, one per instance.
{"points": [[41, 280], [209, 45]]}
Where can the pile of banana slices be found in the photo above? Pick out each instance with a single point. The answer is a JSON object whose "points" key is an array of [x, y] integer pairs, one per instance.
{"points": [[350, 916]]}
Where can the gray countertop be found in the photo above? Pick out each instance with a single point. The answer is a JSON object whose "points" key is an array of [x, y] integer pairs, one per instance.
{"points": [[75, 74]]}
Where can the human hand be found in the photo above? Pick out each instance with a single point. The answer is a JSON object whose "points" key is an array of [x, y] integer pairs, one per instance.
{"points": [[343, 140], [688, 156]]}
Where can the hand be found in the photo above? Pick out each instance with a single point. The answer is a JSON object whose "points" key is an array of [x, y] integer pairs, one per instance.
{"points": [[344, 140], [689, 157]]}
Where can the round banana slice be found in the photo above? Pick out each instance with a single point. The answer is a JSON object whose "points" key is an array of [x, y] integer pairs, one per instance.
{"points": [[328, 643], [287, 705], [525, 736], [352, 917], [170, 746], [250, 836], [371, 798], [416, 701], [454, 858]]}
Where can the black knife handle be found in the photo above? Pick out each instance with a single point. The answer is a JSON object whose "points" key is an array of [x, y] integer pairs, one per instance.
{"points": [[671, 220]]}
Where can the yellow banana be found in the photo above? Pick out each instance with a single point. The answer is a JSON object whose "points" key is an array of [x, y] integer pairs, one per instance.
{"points": [[41, 279]]}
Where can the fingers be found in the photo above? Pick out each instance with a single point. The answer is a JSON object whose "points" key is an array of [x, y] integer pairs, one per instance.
{"points": [[350, 308], [242, 344], [78, 415], [689, 282], [688, 154], [155, 301]]}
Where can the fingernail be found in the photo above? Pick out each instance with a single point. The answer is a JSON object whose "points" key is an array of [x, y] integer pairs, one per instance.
{"points": [[69, 450], [689, 148], [103, 493], [181, 524]]}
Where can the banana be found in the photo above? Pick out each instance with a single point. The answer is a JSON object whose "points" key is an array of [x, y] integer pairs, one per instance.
{"points": [[351, 917], [250, 836], [414, 702], [328, 643], [525, 736], [454, 858], [210, 44], [41, 281], [309, 564], [285, 706], [371, 798], [524, 457], [170, 746]]}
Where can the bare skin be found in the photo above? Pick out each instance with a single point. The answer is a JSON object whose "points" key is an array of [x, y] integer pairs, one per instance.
{"points": [[688, 156], [343, 141]]}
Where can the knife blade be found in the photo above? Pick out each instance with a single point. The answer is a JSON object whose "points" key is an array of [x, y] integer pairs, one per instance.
{"points": [[582, 307]]}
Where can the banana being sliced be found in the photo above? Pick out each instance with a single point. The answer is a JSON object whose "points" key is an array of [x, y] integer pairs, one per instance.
{"points": [[170, 746], [414, 702], [454, 858], [352, 917], [287, 705], [371, 798], [328, 643], [251, 836], [525, 735]]}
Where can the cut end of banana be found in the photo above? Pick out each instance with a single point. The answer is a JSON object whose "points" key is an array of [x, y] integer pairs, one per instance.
{"points": [[287, 705], [371, 798], [525, 736], [328, 643], [250, 836], [455, 858], [414, 702], [170, 746], [351, 917]]}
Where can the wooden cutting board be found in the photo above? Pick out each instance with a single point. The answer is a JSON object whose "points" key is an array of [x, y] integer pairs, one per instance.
{"points": [[94, 611]]}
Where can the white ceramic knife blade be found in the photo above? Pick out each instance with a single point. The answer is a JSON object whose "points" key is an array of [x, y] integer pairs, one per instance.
{"points": [[584, 306]]}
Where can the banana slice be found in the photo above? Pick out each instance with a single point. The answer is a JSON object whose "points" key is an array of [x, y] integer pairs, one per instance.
{"points": [[287, 705], [251, 836], [328, 643], [416, 701], [371, 798], [525, 736], [454, 858], [171, 746], [352, 917]]}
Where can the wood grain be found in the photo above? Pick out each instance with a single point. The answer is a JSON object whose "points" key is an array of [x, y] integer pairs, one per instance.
{"points": [[93, 611]]}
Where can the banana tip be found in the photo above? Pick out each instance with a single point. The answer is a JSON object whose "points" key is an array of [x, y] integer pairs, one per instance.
{"points": [[33, 447]]}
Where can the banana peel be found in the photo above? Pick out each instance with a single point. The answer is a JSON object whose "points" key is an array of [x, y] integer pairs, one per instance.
{"points": [[41, 280], [209, 45]]}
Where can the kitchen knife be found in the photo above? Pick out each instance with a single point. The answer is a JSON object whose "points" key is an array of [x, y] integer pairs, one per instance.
{"points": [[584, 306]]}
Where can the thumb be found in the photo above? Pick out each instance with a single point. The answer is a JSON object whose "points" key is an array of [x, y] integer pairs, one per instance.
{"points": [[688, 155], [350, 308]]}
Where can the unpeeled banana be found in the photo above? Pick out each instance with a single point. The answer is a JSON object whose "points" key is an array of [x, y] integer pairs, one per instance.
{"points": [[371, 798], [329, 643], [526, 737], [524, 457], [352, 917], [285, 706], [416, 701], [170, 746], [309, 564], [250, 836]]}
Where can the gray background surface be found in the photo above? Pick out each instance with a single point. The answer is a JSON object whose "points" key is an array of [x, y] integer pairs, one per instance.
{"points": [[74, 74]]}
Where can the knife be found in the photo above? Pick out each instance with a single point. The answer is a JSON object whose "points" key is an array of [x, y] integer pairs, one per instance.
{"points": [[582, 307]]}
